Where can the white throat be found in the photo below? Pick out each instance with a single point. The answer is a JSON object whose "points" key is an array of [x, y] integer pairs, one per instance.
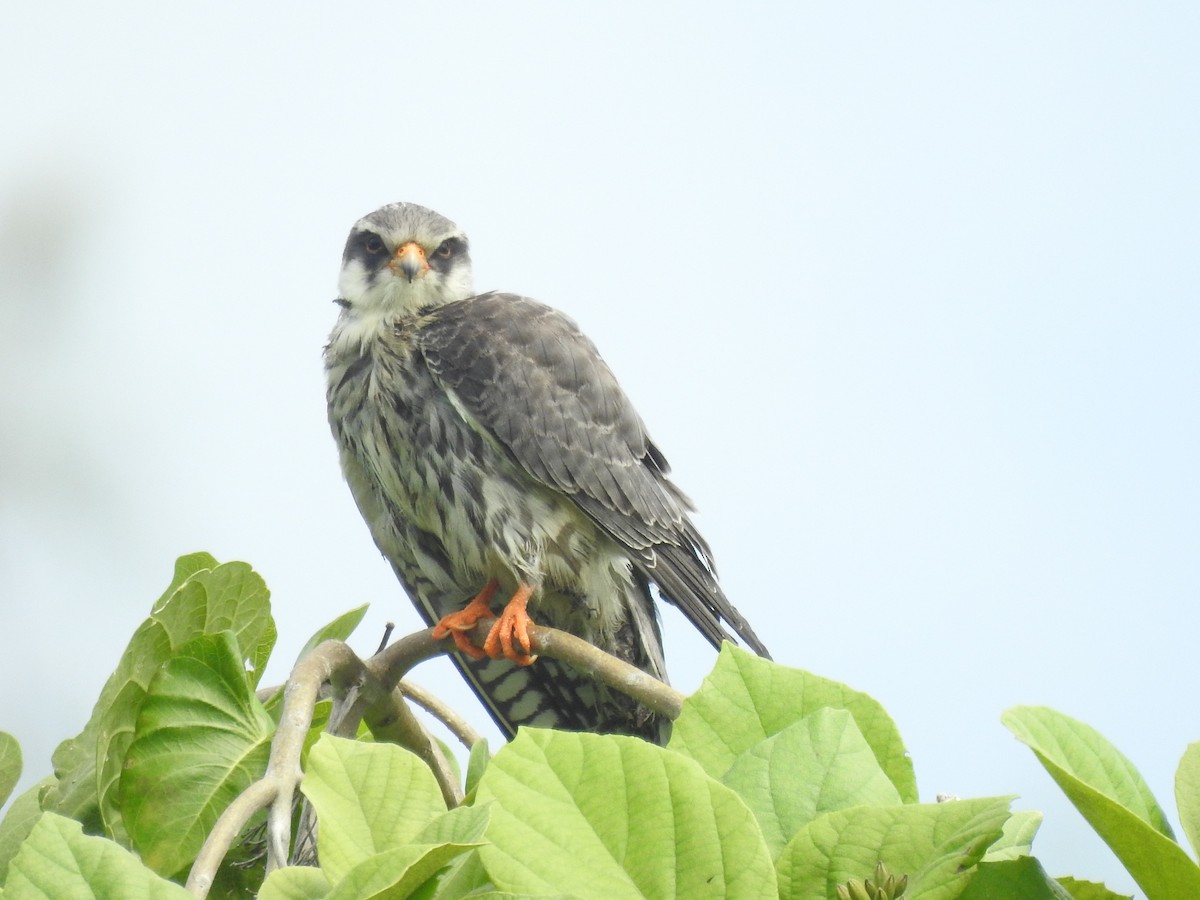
{"points": [[371, 309]]}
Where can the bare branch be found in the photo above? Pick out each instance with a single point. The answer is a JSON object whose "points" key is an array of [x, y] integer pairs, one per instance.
{"points": [[431, 703], [616, 673]]}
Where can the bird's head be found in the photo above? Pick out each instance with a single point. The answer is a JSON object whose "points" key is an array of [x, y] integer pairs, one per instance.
{"points": [[403, 257]]}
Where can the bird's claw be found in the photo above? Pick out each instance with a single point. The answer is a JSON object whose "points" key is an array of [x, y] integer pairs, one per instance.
{"points": [[462, 642], [509, 636], [458, 625]]}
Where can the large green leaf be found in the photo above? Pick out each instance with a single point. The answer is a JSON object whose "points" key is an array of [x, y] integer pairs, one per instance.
{"points": [[22, 815], [604, 816], [150, 648], [80, 784], [1187, 794], [89, 766], [1087, 756], [369, 798], [202, 738], [231, 597], [746, 699], [1112, 796], [58, 861], [936, 845], [1020, 878], [818, 764]]}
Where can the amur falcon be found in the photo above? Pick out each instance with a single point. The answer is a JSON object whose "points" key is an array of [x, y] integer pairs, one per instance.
{"points": [[495, 458]]}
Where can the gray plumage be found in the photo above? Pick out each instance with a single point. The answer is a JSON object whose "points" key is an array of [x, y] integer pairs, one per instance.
{"points": [[483, 437]]}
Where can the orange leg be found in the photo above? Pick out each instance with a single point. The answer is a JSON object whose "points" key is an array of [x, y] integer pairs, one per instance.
{"points": [[512, 629], [457, 624]]}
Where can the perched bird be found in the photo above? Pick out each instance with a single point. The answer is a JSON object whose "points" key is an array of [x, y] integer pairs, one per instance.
{"points": [[494, 456]]}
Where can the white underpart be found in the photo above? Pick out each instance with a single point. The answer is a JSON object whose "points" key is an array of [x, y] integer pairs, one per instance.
{"points": [[376, 299]]}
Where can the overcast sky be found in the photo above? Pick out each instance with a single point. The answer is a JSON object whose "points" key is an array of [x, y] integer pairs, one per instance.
{"points": [[908, 296]]}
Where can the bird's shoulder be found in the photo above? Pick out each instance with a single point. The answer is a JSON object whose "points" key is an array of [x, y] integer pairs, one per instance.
{"points": [[508, 355], [526, 374], [506, 321]]}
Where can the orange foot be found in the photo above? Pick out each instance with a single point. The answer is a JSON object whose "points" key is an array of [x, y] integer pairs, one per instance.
{"points": [[511, 630], [457, 624]]}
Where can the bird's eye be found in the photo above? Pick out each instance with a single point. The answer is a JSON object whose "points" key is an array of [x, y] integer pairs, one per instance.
{"points": [[445, 250], [373, 244]]}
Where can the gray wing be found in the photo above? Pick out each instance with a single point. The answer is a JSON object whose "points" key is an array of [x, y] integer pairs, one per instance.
{"points": [[527, 376]]}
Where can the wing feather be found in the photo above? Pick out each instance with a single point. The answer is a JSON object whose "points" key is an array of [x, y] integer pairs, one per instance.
{"points": [[539, 388]]}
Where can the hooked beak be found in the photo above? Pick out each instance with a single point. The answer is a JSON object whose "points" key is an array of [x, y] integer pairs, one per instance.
{"points": [[410, 259]]}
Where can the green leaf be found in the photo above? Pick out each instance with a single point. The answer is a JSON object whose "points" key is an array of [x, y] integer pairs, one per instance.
{"points": [[227, 597], [10, 765], [369, 798], [395, 873], [338, 630], [746, 699], [477, 764], [936, 845], [295, 883], [185, 568], [202, 738], [150, 648], [818, 764], [1020, 878], [1187, 794], [237, 600], [1017, 839], [461, 825], [602, 816], [58, 860], [89, 766], [464, 877], [1111, 795], [22, 815], [1088, 757], [1089, 890], [80, 781]]}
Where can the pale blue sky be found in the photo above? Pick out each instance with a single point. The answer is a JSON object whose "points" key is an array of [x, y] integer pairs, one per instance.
{"points": [[907, 294]]}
